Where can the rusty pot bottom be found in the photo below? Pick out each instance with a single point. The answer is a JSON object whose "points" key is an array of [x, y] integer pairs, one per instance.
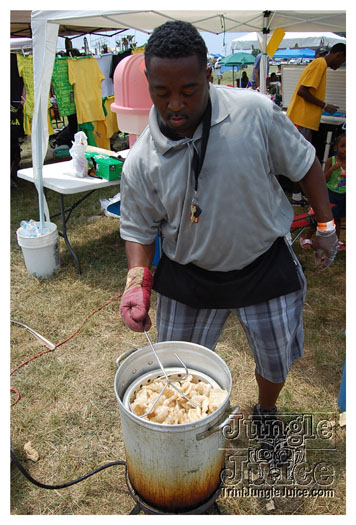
{"points": [[151, 510], [176, 494]]}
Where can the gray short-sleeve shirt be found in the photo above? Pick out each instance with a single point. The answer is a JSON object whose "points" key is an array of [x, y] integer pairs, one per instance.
{"points": [[244, 208]]}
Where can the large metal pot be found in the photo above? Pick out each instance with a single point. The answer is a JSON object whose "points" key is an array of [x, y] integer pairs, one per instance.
{"points": [[174, 468]]}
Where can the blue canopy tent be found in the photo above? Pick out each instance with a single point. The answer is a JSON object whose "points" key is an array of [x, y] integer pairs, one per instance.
{"points": [[294, 53], [230, 68]]}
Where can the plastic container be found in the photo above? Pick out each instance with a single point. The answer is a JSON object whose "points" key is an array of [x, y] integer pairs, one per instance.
{"points": [[342, 392], [105, 166], [61, 153], [158, 250], [41, 253], [132, 98], [114, 209]]}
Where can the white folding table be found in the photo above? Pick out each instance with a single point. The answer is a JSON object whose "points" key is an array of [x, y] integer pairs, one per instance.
{"points": [[59, 177]]}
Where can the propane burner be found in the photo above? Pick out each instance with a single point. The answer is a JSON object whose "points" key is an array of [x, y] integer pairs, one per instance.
{"points": [[141, 505]]}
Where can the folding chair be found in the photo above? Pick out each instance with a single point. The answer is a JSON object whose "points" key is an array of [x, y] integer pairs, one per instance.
{"points": [[300, 223]]}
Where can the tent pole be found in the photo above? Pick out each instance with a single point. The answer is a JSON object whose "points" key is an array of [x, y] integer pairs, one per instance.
{"points": [[264, 58], [44, 39], [38, 178]]}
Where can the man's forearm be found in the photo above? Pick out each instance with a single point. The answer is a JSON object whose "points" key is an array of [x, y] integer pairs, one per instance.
{"points": [[304, 92], [139, 254]]}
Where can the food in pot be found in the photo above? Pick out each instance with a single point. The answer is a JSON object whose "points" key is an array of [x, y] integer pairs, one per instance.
{"points": [[172, 408]]}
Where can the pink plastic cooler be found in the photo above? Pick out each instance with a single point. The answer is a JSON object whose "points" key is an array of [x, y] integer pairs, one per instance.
{"points": [[132, 99]]}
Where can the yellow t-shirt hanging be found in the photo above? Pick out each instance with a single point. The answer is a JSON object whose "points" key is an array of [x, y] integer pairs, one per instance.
{"points": [[140, 49], [25, 69], [301, 112], [102, 141], [103, 131], [111, 118], [86, 77]]}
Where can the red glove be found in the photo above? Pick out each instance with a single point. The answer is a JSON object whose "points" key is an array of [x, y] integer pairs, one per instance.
{"points": [[136, 299]]}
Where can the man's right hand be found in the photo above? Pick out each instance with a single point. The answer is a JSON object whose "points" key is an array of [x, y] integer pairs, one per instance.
{"points": [[136, 299]]}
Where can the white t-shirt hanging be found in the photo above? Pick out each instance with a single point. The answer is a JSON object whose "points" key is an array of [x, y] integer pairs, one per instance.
{"points": [[107, 85]]}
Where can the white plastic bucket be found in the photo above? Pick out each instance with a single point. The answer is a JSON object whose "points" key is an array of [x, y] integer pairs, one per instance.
{"points": [[41, 253]]}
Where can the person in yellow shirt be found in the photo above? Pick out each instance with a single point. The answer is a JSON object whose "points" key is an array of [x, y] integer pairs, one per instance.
{"points": [[308, 100]]}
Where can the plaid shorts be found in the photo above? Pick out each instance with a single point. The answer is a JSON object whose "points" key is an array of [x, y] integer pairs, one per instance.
{"points": [[274, 329]]}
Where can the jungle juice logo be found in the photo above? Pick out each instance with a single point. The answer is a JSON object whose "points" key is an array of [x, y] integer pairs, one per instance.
{"points": [[291, 459]]}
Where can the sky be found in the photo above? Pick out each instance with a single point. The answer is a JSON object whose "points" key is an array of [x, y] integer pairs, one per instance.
{"points": [[216, 44]]}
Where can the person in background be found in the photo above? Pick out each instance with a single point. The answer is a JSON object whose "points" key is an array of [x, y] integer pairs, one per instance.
{"points": [[244, 80], [308, 100], [274, 88], [335, 174], [218, 72], [255, 77], [224, 223]]}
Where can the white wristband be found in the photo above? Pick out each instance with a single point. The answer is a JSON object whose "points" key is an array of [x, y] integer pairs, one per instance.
{"points": [[325, 104]]}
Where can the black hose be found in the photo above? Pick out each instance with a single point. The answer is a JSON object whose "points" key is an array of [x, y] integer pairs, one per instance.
{"points": [[61, 485]]}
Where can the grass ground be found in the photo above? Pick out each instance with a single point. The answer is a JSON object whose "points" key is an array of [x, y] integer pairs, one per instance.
{"points": [[68, 408]]}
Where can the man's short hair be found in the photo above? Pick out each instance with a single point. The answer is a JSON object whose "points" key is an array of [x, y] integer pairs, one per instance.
{"points": [[176, 39], [339, 48]]}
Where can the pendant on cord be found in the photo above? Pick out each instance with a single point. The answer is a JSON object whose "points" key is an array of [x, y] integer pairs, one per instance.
{"points": [[195, 212]]}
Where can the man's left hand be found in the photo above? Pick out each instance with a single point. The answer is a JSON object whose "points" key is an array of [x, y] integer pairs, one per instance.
{"points": [[325, 246], [330, 108]]}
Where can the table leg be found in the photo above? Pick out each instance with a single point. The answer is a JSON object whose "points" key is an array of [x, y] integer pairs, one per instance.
{"points": [[65, 237], [64, 223]]}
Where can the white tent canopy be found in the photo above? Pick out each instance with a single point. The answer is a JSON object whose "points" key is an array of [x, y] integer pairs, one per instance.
{"points": [[213, 21], [291, 39], [45, 28], [20, 43]]}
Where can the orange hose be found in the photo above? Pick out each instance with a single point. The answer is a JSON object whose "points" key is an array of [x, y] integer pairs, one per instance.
{"points": [[58, 344]]}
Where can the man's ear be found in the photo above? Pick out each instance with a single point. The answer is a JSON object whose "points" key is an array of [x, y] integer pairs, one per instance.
{"points": [[209, 74]]}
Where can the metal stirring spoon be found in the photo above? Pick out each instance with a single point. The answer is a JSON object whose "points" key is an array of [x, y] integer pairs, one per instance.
{"points": [[165, 374]]}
